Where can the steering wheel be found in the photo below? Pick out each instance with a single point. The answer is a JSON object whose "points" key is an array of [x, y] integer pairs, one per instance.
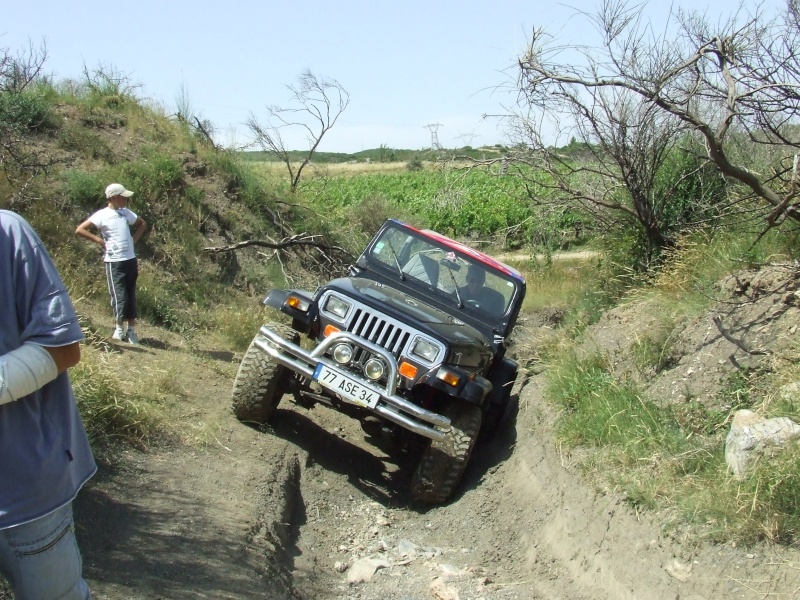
{"points": [[472, 303]]}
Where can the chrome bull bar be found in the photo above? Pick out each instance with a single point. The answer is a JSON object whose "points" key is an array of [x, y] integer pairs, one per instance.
{"points": [[392, 407]]}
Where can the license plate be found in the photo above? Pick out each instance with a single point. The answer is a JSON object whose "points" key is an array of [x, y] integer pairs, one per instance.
{"points": [[348, 388]]}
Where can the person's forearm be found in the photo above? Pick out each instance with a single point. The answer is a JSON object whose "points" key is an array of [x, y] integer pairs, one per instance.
{"points": [[140, 229], [65, 356], [86, 234]]}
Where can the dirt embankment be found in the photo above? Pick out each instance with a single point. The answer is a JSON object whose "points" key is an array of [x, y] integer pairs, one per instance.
{"points": [[312, 508]]}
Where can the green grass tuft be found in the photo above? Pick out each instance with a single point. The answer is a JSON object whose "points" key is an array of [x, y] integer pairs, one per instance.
{"points": [[671, 456]]}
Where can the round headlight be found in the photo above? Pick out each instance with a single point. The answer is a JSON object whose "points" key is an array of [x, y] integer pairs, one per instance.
{"points": [[374, 369], [343, 353]]}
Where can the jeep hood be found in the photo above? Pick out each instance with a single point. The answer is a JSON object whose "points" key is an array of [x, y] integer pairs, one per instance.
{"points": [[415, 311]]}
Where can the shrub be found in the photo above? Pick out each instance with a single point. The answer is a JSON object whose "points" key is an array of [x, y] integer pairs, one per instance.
{"points": [[600, 411], [26, 110], [156, 178], [161, 305], [652, 350], [83, 189], [670, 456], [415, 164]]}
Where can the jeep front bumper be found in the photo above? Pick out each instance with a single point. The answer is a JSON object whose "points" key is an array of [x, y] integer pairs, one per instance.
{"points": [[380, 400]]}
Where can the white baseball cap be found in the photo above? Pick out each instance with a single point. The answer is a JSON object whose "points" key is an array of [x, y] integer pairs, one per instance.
{"points": [[117, 189]]}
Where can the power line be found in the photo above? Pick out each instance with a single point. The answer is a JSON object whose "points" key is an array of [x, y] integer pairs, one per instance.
{"points": [[468, 137]]}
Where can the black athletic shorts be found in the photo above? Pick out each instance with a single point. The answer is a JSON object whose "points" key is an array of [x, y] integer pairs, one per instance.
{"points": [[121, 277]]}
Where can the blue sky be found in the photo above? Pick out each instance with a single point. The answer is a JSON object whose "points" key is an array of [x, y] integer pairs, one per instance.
{"points": [[407, 65]]}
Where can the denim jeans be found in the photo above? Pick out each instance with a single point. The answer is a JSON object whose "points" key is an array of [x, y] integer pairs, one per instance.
{"points": [[41, 558]]}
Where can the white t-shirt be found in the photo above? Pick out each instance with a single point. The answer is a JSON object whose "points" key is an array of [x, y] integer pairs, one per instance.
{"points": [[115, 229]]}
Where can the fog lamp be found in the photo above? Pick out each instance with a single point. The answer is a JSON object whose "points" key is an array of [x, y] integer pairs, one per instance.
{"points": [[374, 369], [343, 353]]}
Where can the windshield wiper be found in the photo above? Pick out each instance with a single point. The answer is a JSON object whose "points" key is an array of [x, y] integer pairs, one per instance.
{"points": [[455, 285], [396, 261]]}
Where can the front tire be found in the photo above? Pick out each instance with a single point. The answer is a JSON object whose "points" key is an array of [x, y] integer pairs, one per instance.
{"points": [[497, 402], [260, 381], [442, 464]]}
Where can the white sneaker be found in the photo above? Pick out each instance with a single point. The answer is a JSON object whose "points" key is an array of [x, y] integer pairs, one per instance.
{"points": [[132, 337], [119, 334]]}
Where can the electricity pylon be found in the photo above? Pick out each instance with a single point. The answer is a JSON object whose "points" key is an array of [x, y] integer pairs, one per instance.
{"points": [[435, 145]]}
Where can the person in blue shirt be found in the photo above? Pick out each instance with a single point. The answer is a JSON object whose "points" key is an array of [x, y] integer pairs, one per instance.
{"points": [[44, 450]]}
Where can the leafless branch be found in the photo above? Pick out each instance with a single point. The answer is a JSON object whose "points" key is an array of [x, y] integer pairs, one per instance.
{"points": [[204, 132], [295, 241], [318, 102], [18, 71]]}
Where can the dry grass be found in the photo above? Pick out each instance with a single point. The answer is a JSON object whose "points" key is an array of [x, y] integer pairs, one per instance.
{"points": [[114, 410], [273, 169], [238, 324], [560, 283]]}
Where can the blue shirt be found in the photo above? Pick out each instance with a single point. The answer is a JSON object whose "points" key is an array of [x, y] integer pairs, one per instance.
{"points": [[45, 456]]}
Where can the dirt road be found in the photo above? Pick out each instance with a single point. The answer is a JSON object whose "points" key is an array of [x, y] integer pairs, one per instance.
{"points": [[578, 255], [309, 509]]}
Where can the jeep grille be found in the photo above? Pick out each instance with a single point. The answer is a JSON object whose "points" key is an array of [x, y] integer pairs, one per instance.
{"points": [[379, 329], [375, 327]]}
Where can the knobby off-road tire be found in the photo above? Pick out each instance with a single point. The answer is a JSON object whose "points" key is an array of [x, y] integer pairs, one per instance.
{"points": [[502, 383], [442, 464], [260, 381]]}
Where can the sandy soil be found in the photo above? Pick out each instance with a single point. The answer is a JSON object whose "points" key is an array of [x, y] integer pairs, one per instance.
{"points": [[313, 508]]}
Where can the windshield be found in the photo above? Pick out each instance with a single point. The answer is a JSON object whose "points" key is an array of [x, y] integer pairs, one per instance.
{"points": [[467, 281]]}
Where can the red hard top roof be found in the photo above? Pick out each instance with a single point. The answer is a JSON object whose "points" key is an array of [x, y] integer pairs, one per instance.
{"points": [[476, 254]]}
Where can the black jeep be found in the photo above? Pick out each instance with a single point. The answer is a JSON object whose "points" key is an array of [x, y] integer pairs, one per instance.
{"points": [[414, 338]]}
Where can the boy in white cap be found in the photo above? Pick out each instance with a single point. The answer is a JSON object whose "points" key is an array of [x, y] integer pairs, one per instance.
{"points": [[114, 224]]}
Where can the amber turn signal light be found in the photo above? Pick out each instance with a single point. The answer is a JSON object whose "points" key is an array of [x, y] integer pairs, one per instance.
{"points": [[407, 370], [330, 330], [448, 377], [297, 303]]}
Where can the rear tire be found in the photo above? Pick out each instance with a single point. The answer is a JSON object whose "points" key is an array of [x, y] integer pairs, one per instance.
{"points": [[260, 382], [442, 464]]}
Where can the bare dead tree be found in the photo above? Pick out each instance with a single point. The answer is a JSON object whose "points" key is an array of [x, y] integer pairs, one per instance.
{"points": [[21, 162], [614, 179], [18, 71], [639, 94], [318, 102], [186, 115]]}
